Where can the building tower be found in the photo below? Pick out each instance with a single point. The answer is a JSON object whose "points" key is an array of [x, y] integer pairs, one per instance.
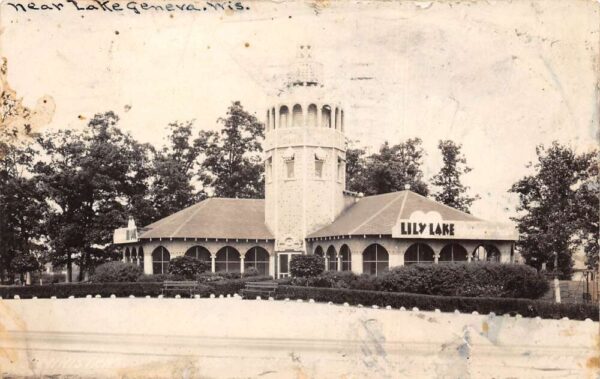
{"points": [[305, 154]]}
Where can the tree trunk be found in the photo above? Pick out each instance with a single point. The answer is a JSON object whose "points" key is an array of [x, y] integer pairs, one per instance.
{"points": [[69, 278]]}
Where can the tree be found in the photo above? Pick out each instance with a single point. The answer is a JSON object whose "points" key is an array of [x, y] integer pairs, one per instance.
{"points": [[93, 180], [451, 191], [233, 164], [587, 207], [548, 204], [396, 167], [356, 170], [174, 171], [24, 262]]}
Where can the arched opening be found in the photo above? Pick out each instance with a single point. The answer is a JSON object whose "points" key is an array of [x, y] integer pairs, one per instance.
{"points": [[268, 121], [160, 260], [283, 116], [297, 119], [134, 257], [326, 116], [127, 255], [337, 118], [319, 252], [199, 252], [346, 258], [227, 260], [312, 116], [418, 253], [486, 253], [141, 255], [258, 258], [453, 253], [273, 118], [332, 263], [376, 259]]}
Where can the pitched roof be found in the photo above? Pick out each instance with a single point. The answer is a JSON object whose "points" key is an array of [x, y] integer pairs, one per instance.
{"points": [[214, 218], [374, 215]]}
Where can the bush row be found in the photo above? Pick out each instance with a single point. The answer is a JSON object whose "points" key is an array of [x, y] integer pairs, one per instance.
{"points": [[452, 279], [232, 286], [65, 290], [483, 305]]}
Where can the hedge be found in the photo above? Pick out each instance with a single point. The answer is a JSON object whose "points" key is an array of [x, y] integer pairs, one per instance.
{"points": [[83, 289], [232, 286], [483, 305], [448, 279]]}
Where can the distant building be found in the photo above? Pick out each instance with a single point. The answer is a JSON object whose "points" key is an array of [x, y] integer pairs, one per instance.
{"points": [[307, 209]]}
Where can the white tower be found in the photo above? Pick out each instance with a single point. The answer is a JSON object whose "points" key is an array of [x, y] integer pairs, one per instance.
{"points": [[305, 157]]}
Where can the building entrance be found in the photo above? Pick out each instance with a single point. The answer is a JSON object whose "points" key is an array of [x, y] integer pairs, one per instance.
{"points": [[283, 264]]}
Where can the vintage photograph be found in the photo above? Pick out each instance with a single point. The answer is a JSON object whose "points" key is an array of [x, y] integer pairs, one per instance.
{"points": [[299, 189]]}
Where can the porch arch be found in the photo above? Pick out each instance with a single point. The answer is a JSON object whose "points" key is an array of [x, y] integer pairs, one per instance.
{"points": [[160, 260], [376, 259], [418, 253]]}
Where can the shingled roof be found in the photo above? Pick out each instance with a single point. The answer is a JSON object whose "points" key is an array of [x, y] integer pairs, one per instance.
{"points": [[214, 218], [374, 215]]}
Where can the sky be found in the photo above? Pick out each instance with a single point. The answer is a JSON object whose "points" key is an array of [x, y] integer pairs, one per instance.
{"points": [[497, 77]]}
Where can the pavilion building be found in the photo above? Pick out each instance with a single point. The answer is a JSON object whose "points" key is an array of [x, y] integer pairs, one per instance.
{"points": [[307, 209]]}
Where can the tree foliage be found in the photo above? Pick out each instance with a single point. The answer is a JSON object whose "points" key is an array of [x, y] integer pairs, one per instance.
{"points": [[451, 191], [93, 179], [187, 267], [233, 164], [556, 204], [392, 168], [174, 169]]}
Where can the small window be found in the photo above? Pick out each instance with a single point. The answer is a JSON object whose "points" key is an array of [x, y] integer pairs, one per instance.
{"points": [[289, 168], [269, 169], [340, 170], [319, 168]]}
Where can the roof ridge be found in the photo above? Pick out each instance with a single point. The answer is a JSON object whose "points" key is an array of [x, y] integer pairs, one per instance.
{"points": [[190, 217], [402, 207], [376, 213]]}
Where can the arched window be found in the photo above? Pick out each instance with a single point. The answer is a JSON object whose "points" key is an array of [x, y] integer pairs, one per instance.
{"points": [[259, 258], [346, 258], [134, 256], [375, 259], [283, 116], [227, 260], [199, 252], [160, 260], [312, 116], [141, 255], [418, 253], [486, 253], [319, 252], [453, 253], [268, 122], [326, 116], [337, 119], [273, 118], [332, 259], [297, 120], [127, 255]]}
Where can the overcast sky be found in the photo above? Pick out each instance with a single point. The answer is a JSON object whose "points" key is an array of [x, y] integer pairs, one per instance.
{"points": [[497, 77]]}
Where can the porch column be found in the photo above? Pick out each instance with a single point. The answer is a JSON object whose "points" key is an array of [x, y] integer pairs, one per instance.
{"points": [[242, 264], [212, 263], [148, 262], [272, 265], [339, 262], [123, 254]]}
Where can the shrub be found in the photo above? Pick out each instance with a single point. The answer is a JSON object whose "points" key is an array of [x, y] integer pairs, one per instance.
{"points": [[484, 279], [187, 267], [232, 286], [251, 271], [156, 278], [306, 266], [116, 272], [483, 305]]}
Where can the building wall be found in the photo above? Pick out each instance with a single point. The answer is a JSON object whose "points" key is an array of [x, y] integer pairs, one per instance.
{"points": [[178, 248], [396, 248]]}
